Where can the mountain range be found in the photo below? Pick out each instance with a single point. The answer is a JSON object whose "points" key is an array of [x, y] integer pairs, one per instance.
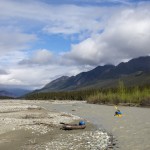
{"points": [[132, 73], [13, 92]]}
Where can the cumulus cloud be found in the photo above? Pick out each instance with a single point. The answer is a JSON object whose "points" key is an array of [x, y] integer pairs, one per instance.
{"points": [[107, 35], [36, 77], [84, 53], [12, 39], [126, 36], [3, 72], [39, 57], [74, 20]]}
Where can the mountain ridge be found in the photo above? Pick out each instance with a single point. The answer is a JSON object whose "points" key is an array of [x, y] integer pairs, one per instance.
{"points": [[102, 75]]}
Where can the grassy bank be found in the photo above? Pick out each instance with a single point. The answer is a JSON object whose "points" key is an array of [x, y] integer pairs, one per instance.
{"points": [[139, 96]]}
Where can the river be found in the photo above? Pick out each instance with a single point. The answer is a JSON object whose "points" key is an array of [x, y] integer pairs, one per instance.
{"points": [[132, 131]]}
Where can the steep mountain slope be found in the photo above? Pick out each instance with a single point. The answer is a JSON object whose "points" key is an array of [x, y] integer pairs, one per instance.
{"points": [[55, 84], [105, 76], [132, 66], [82, 79]]}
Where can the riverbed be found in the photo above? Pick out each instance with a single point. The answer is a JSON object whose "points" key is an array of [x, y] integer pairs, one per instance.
{"points": [[37, 125], [131, 131]]}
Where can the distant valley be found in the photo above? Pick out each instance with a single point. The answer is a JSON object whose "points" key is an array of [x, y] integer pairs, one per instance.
{"points": [[12, 92]]}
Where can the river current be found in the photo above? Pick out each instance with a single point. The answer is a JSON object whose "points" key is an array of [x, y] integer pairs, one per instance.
{"points": [[131, 131]]}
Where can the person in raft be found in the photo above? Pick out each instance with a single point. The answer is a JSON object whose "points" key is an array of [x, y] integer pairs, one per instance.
{"points": [[81, 123], [118, 112]]}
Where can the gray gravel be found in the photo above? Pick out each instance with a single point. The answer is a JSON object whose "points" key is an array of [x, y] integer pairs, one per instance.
{"points": [[26, 126]]}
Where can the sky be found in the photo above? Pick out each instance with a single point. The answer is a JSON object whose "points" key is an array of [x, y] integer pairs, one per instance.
{"points": [[41, 40]]}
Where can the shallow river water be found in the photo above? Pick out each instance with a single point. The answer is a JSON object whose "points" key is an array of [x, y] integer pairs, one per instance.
{"points": [[132, 131]]}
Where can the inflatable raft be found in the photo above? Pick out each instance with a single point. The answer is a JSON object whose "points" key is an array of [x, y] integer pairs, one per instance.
{"points": [[81, 125], [118, 115], [73, 127]]}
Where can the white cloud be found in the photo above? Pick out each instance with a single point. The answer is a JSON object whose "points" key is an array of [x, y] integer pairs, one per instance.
{"points": [[84, 53], [114, 34], [39, 57], [58, 19], [55, 19], [3, 72], [76, 20], [125, 36], [35, 76], [12, 39]]}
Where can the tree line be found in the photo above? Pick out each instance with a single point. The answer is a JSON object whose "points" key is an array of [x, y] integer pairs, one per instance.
{"points": [[137, 95]]}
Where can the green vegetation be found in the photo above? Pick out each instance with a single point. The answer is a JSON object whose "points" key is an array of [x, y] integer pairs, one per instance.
{"points": [[132, 95], [5, 97], [70, 95], [135, 95]]}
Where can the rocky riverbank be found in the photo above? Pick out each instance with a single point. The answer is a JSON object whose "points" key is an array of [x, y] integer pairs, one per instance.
{"points": [[26, 126]]}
